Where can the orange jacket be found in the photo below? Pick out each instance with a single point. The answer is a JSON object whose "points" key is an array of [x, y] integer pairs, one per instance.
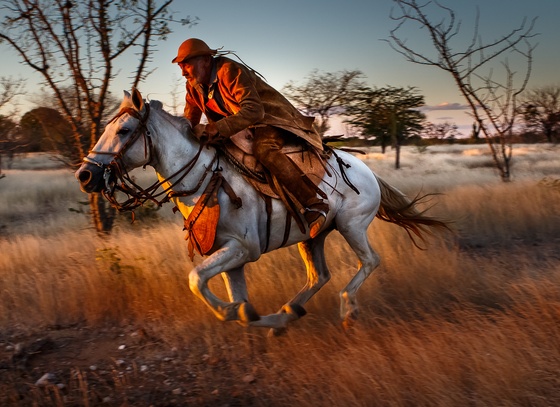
{"points": [[249, 101]]}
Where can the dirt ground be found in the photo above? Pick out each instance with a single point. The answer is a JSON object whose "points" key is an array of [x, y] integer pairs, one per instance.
{"points": [[114, 367]]}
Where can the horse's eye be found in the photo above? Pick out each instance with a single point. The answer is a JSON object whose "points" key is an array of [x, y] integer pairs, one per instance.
{"points": [[123, 131]]}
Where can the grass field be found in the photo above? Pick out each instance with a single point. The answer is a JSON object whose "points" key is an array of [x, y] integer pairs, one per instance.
{"points": [[473, 320]]}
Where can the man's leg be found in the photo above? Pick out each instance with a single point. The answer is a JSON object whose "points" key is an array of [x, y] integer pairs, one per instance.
{"points": [[267, 145]]}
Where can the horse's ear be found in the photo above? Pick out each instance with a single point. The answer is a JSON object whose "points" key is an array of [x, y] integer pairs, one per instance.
{"points": [[137, 100], [126, 94]]}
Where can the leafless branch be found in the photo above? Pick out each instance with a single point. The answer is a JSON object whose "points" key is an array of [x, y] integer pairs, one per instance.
{"points": [[493, 101]]}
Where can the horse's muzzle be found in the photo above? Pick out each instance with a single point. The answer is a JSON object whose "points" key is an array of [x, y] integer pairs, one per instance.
{"points": [[90, 178]]}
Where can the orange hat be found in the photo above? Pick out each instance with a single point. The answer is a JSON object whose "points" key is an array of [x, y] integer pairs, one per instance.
{"points": [[193, 47]]}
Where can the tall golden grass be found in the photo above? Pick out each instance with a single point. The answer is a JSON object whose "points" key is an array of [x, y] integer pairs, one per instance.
{"points": [[473, 320]]}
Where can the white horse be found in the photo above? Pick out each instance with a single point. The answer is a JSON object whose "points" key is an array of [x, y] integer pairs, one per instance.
{"points": [[143, 134]]}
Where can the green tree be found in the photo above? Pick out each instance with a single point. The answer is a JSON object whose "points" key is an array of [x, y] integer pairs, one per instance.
{"points": [[324, 94], [74, 47], [45, 129], [389, 115], [541, 111]]}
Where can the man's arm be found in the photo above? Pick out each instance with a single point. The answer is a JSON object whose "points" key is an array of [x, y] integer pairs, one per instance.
{"points": [[240, 94]]}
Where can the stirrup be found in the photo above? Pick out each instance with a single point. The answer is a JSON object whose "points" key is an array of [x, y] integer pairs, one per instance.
{"points": [[315, 217]]}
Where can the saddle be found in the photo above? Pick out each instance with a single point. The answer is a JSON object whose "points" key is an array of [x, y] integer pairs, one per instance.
{"points": [[238, 150]]}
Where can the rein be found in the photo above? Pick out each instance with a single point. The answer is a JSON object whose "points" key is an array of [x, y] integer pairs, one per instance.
{"points": [[137, 195]]}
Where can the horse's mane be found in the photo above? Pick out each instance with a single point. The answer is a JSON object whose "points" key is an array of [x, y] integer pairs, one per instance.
{"points": [[181, 123]]}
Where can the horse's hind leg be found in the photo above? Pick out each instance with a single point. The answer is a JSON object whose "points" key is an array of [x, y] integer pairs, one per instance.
{"points": [[313, 254], [368, 261]]}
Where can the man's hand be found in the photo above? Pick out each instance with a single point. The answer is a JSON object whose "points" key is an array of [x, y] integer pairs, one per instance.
{"points": [[211, 129], [209, 132], [199, 130]]}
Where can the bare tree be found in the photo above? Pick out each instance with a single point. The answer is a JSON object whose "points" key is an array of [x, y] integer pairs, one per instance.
{"points": [[9, 140], [177, 94], [441, 131], [74, 46], [9, 137], [9, 89], [541, 111], [493, 101], [324, 94]]}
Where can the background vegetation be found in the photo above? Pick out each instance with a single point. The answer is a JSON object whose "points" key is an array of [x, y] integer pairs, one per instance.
{"points": [[470, 321]]}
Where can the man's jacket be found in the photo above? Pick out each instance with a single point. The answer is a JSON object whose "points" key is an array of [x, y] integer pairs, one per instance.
{"points": [[248, 101]]}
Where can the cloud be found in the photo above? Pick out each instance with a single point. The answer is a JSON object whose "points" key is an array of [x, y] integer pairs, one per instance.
{"points": [[446, 106]]}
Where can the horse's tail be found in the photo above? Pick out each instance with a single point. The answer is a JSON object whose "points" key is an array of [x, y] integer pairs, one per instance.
{"points": [[397, 208]]}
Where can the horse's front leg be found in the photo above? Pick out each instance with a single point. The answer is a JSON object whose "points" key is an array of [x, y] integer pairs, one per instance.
{"points": [[313, 255], [232, 257], [236, 285]]}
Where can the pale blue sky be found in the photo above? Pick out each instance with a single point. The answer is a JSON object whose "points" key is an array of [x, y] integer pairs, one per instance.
{"points": [[285, 40]]}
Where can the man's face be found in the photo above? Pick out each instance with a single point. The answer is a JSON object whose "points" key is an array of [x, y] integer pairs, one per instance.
{"points": [[196, 70]]}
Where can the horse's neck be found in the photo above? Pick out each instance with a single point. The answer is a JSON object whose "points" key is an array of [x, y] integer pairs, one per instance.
{"points": [[175, 160]]}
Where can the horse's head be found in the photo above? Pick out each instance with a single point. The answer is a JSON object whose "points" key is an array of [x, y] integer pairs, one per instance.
{"points": [[124, 145]]}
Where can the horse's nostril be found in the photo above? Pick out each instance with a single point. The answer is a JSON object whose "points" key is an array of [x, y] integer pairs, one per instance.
{"points": [[84, 176]]}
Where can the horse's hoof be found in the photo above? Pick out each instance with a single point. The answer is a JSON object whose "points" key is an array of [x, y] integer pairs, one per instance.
{"points": [[347, 325], [247, 313], [350, 320], [294, 309], [275, 332]]}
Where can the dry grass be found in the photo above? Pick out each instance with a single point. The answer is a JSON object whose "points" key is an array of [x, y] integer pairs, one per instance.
{"points": [[471, 321]]}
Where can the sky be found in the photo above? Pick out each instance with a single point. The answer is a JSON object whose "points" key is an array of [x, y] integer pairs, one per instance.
{"points": [[286, 40]]}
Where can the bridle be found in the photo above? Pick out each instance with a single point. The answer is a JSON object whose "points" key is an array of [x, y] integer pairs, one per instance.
{"points": [[122, 181]]}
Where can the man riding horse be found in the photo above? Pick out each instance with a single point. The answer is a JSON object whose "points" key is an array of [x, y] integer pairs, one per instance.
{"points": [[234, 97]]}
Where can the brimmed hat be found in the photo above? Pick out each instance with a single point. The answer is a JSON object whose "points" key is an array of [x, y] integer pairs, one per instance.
{"points": [[193, 47]]}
